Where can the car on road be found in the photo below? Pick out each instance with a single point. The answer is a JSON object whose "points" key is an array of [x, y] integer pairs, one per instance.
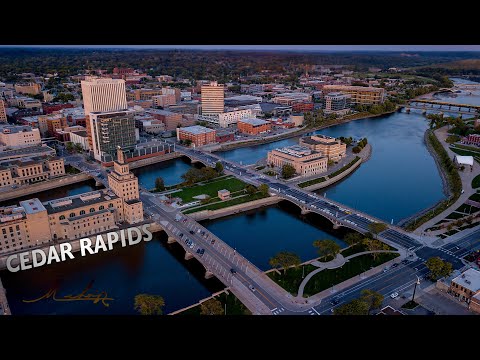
{"points": [[233, 271], [192, 232], [394, 265], [394, 295], [191, 245], [180, 235], [212, 242], [251, 287], [385, 270], [335, 301]]}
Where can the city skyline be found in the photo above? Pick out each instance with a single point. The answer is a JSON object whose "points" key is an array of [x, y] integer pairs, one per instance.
{"points": [[327, 48]]}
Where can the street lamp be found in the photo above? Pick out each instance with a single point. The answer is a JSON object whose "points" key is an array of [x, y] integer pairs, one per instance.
{"points": [[415, 288]]}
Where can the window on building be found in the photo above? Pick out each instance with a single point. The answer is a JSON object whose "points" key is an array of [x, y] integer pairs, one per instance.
{"points": [[101, 207], [82, 212], [92, 210], [71, 215], [62, 217]]}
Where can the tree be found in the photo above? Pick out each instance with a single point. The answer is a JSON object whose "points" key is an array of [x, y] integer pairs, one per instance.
{"points": [[149, 304], [211, 307], [356, 149], [69, 146], [264, 188], [288, 171], [219, 167], [376, 228], [285, 260], [374, 245], [159, 184], [438, 268], [250, 189], [187, 142], [327, 247], [353, 238], [354, 307], [78, 148], [372, 298]]}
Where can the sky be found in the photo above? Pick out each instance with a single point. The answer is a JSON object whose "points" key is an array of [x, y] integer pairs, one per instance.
{"points": [[278, 47]]}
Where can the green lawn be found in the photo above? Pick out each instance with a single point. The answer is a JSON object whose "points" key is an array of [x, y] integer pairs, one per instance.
{"points": [[224, 204], [339, 171], [312, 182], [476, 182], [469, 209], [475, 197], [454, 216], [326, 278], [234, 306], [466, 147], [292, 279], [210, 188], [353, 249]]}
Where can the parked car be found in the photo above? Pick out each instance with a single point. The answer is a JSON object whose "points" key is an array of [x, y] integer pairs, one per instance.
{"points": [[233, 271], [192, 232]]}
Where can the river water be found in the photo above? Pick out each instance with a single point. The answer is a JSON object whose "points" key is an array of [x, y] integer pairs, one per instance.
{"points": [[400, 179]]}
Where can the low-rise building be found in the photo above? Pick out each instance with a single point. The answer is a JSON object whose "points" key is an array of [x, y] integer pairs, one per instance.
{"points": [[28, 88], [333, 148], [359, 94], [22, 102], [7, 153], [292, 98], [253, 126], [297, 119], [198, 135], [164, 100], [302, 107], [30, 170], [170, 119], [336, 103], [466, 286], [23, 226], [17, 136], [81, 138], [223, 194], [305, 161], [224, 136], [226, 119]]}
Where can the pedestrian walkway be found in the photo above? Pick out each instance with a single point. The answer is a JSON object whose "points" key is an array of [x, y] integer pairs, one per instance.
{"points": [[338, 262], [466, 176]]}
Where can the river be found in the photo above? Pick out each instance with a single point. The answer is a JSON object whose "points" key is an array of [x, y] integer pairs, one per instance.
{"points": [[400, 179]]}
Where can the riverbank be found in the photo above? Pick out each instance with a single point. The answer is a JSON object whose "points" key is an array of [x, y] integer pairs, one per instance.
{"points": [[450, 181], [43, 186], [325, 181], [300, 132], [236, 209]]}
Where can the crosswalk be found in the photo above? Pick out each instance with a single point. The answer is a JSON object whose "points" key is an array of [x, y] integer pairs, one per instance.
{"points": [[449, 253], [277, 311]]}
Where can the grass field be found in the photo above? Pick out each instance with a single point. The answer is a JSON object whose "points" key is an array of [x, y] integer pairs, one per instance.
{"points": [[224, 204], [211, 188]]}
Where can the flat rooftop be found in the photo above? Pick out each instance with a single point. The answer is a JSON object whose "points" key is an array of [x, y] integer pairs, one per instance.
{"points": [[470, 280], [76, 201], [196, 129], [32, 206], [254, 122], [28, 151], [15, 128]]}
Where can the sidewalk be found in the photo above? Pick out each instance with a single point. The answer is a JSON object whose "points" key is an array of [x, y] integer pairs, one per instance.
{"points": [[466, 176]]}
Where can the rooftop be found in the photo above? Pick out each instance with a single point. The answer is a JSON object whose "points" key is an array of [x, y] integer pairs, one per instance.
{"points": [[73, 202], [254, 122], [27, 151], [81, 133], [350, 87], [295, 150], [196, 129], [32, 206], [469, 279], [12, 129]]}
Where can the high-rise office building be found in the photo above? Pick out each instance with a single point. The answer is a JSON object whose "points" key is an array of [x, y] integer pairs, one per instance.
{"points": [[3, 112], [110, 130], [213, 98], [110, 123], [103, 95]]}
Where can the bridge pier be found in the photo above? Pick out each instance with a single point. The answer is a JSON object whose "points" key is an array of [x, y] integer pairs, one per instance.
{"points": [[188, 255], [171, 240], [305, 211], [208, 274], [336, 225], [98, 183]]}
